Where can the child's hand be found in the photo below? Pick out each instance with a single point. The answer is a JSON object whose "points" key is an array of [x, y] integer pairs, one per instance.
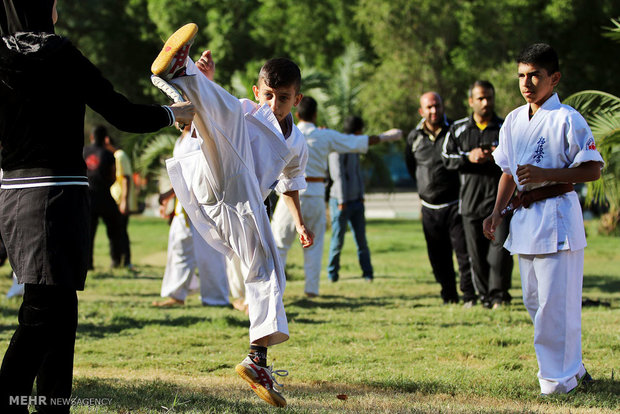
{"points": [[528, 174], [206, 65], [306, 237], [490, 224]]}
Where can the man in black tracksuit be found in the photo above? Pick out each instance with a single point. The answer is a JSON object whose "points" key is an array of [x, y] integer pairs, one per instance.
{"points": [[468, 149], [439, 190]]}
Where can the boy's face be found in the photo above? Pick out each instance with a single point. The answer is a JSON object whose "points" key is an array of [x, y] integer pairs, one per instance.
{"points": [[281, 100], [535, 83], [482, 101]]}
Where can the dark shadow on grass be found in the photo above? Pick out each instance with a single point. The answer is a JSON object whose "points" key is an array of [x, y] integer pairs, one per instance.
{"points": [[122, 323], [346, 303], [153, 295], [10, 327], [123, 396], [124, 276], [607, 284], [293, 317]]}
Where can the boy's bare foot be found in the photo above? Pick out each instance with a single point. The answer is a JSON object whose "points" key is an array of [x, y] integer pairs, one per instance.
{"points": [[168, 303]]}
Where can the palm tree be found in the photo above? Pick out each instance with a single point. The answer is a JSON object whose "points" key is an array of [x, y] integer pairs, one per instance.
{"points": [[602, 111]]}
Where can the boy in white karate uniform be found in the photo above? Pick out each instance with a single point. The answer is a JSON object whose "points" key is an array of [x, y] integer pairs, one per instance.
{"points": [[189, 253], [545, 147], [246, 150]]}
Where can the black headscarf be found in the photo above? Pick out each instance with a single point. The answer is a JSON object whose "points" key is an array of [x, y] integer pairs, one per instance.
{"points": [[26, 16]]}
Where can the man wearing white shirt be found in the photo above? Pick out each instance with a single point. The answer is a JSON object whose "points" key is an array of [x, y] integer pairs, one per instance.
{"points": [[320, 143]]}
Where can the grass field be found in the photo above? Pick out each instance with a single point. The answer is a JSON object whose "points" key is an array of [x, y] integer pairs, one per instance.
{"points": [[389, 346]]}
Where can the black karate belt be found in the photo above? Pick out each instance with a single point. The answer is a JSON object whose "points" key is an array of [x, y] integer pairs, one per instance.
{"points": [[526, 198]]}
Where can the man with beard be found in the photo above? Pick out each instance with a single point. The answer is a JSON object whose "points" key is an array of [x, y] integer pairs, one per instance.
{"points": [[438, 188], [467, 148]]}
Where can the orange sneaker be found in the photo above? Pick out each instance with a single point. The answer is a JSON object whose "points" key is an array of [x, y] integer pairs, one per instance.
{"points": [[172, 59], [262, 381]]}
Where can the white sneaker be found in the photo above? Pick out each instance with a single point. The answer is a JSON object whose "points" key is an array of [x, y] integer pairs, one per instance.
{"points": [[170, 91], [262, 381]]}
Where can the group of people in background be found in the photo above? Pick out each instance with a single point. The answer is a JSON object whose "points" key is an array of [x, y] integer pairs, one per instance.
{"points": [[237, 152], [457, 184]]}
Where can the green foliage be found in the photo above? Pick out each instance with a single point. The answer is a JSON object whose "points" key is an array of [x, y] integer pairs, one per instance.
{"points": [[403, 47], [602, 111], [613, 32], [151, 152]]}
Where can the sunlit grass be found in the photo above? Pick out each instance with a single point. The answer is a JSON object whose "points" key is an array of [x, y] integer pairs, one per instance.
{"points": [[389, 346]]}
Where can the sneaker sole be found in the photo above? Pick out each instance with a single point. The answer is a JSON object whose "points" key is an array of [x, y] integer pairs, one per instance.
{"points": [[261, 391], [171, 47], [170, 91]]}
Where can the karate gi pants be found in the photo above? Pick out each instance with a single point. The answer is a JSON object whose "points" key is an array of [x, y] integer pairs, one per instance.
{"points": [[552, 285], [219, 190], [188, 251], [235, 278], [313, 213]]}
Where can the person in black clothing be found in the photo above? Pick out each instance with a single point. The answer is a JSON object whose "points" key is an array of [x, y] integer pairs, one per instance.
{"points": [[468, 148], [439, 191], [45, 85], [101, 172]]}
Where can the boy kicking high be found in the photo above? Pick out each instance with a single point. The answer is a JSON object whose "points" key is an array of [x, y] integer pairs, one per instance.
{"points": [[247, 149], [545, 147]]}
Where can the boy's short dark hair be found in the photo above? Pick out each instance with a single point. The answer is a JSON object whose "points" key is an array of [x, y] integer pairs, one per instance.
{"points": [[281, 72], [542, 55], [353, 124], [99, 133], [482, 84], [307, 108]]}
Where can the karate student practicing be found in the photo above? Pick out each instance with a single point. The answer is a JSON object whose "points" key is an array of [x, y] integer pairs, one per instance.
{"points": [[545, 147], [246, 150]]}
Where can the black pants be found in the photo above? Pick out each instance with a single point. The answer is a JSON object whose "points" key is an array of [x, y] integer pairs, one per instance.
{"points": [[124, 258], [42, 347], [103, 205], [443, 230], [3, 253], [491, 263]]}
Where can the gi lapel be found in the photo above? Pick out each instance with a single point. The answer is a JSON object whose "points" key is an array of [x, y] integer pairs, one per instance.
{"points": [[531, 132]]}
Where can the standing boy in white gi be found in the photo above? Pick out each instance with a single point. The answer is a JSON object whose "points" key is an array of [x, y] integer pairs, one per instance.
{"points": [[188, 252], [321, 141], [247, 149], [544, 147]]}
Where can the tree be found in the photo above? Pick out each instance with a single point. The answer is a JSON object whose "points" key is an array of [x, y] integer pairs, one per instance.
{"points": [[602, 111]]}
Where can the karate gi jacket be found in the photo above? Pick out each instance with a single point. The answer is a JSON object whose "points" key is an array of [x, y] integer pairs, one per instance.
{"points": [[557, 136]]}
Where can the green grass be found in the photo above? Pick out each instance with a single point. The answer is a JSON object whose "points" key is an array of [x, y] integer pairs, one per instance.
{"points": [[389, 346]]}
